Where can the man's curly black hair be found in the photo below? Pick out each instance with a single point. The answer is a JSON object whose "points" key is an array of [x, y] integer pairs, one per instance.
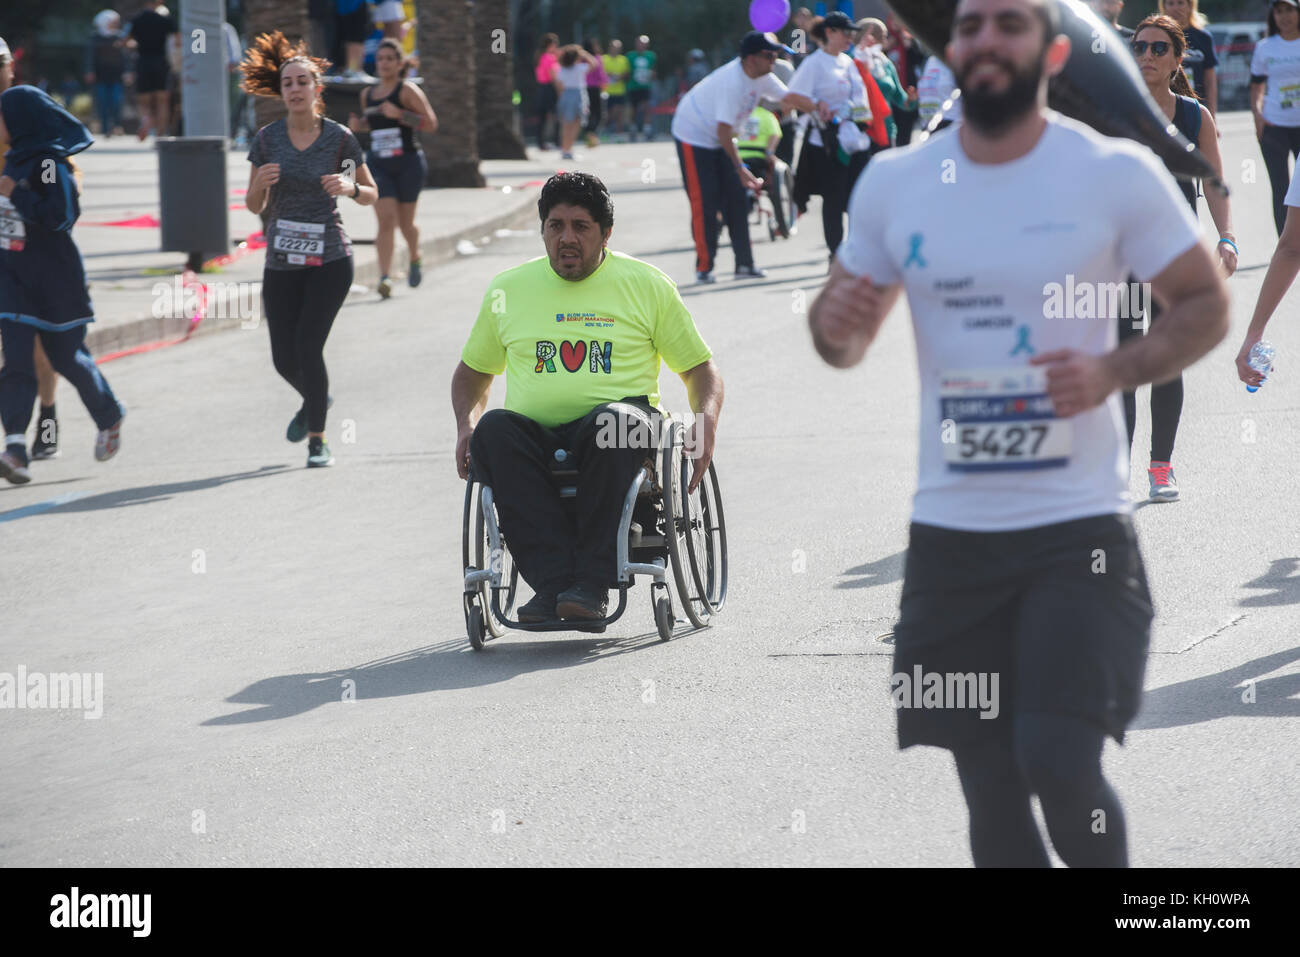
{"points": [[578, 189]]}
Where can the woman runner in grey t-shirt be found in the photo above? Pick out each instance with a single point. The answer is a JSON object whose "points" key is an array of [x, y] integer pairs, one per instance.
{"points": [[301, 165]]}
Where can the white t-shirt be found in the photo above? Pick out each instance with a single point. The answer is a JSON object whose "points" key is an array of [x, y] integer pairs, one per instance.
{"points": [[835, 81], [1000, 263], [727, 95], [937, 84], [573, 77], [1279, 60]]}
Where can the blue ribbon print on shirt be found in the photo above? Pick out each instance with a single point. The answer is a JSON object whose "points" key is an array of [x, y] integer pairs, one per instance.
{"points": [[914, 255]]}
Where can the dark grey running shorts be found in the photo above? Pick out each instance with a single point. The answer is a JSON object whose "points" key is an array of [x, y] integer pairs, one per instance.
{"points": [[1060, 614]]}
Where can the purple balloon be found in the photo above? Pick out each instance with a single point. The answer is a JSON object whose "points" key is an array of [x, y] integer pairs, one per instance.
{"points": [[769, 16]]}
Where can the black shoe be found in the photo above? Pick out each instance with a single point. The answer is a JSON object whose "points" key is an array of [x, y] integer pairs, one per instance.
{"points": [[46, 443], [541, 607], [583, 601]]}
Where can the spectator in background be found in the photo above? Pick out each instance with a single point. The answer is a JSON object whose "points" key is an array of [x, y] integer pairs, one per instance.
{"points": [[151, 33], [697, 68], [390, 18], [597, 78], [936, 87], [238, 98], [617, 69], [321, 28], [544, 69], [803, 42], [909, 61], [1199, 61], [870, 52], [571, 94], [105, 63], [642, 61], [1109, 10], [1275, 100], [353, 23]]}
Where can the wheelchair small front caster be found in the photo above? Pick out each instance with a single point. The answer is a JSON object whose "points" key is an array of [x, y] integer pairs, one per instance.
{"points": [[665, 620]]}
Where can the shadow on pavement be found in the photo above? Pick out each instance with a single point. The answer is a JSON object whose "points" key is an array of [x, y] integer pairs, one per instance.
{"points": [[883, 571], [446, 666], [1221, 695], [1282, 579], [148, 494]]}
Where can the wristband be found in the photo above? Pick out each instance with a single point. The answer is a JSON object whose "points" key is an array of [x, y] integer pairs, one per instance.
{"points": [[1229, 242], [356, 189]]}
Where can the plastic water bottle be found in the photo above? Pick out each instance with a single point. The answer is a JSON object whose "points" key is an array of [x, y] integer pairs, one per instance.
{"points": [[1261, 360]]}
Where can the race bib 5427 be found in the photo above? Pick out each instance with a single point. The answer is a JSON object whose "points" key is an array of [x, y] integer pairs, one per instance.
{"points": [[994, 420]]}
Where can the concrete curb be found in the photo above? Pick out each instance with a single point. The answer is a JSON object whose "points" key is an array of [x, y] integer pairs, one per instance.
{"points": [[435, 250]]}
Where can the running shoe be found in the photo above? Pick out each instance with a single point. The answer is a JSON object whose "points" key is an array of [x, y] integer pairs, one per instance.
{"points": [[385, 287], [297, 430], [566, 155], [750, 272], [541, 607], [413, 274], [1164, 488], [46, 443], [704, 277], [108, 441], [13, 466], [318, 453]]}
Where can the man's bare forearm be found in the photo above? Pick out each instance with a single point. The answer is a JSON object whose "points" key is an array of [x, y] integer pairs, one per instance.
{"points": [[469, 395], [1189, 330], [704, 390]]}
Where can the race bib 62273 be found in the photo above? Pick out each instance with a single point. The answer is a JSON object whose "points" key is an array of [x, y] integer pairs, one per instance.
{"points": [[302, 244], [994, 420]]}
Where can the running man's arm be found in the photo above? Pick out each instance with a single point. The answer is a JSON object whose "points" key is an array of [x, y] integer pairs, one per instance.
{"points": [[704, 389], [799, 102], [727, 140], [469, 396], [847, 314], [1282, 270], [1196, 321]]}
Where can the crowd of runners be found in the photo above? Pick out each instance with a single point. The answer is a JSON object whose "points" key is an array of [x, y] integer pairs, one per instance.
{"points": [[1023, 471]]}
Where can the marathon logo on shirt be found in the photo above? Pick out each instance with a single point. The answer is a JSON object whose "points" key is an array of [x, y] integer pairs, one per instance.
{"points": [[589, 320], [574, 355]]}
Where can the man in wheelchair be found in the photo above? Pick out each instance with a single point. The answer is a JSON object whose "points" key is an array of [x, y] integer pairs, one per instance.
{"points": [[579, 334], [756, 144]]}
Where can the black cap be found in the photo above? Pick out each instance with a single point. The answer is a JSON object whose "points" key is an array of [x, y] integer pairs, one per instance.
{"points": [[756, 42], [838, 20]]}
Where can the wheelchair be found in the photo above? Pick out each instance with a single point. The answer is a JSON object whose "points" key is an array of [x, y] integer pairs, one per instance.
{"points": [[761, 210], [662, 531]]}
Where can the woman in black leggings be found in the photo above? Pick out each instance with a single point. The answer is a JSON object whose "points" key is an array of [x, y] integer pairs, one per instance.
{"points": [[301, 165], [1158, 45], [1275, 99]]}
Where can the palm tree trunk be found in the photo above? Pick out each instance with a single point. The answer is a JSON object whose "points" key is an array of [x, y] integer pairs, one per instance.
{"points": [[265, 16], [446, 46], [494, 38]]}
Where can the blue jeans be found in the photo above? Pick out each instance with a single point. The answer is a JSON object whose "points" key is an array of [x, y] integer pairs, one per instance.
{"points": [[68, 354], [108, 100]]}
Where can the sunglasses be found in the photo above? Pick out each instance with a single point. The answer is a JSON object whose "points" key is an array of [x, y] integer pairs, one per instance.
{"points": [[1159, 47]]}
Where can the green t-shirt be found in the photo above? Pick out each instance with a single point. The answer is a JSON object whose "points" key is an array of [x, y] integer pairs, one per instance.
{"points": [[753, 135], [567, 347], [643, 68], [615, 66]]}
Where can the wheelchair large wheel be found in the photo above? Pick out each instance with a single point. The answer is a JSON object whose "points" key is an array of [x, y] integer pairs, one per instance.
{"points": [[475, 552], [693, 526]]}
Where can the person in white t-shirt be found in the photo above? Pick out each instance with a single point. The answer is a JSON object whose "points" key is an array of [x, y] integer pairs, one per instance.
{"points": [[936, 87], [704, 127], [837, 147], [1275, 99], [1013, 236]]}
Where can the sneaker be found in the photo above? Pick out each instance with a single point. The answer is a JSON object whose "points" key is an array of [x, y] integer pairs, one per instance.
{"points": [[318, 454], [13, 466], [1164, 488], [46, 443], [108, 441], [385, 287], [583, 601], [704, 277], [413, 274], [566, 155], [297, 430], [541, 607], [750, 272]]}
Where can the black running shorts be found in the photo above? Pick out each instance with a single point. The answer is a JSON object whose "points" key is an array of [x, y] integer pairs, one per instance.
{"points": [[1061, 614]]}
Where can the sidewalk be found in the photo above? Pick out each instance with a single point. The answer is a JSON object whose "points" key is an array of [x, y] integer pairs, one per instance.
{"points": [[128, 274]]}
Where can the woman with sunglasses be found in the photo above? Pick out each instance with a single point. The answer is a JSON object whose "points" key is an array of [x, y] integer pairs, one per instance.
{"points": [[831, 80], [1158, 45], [1275, 99]]}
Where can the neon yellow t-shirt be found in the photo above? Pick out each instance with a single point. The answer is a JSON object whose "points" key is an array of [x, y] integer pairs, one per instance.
{"points": [[759, 127], [567, 347], [615, 66]]}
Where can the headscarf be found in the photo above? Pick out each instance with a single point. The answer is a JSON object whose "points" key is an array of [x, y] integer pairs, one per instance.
{"points": [[103, 20], [38, 128]]}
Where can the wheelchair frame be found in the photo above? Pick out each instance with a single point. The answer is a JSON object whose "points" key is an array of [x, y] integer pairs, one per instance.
{"points": [[695, 551]]}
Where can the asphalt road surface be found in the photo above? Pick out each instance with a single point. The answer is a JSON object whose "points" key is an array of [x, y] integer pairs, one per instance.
{"points": [[287, 681]]}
